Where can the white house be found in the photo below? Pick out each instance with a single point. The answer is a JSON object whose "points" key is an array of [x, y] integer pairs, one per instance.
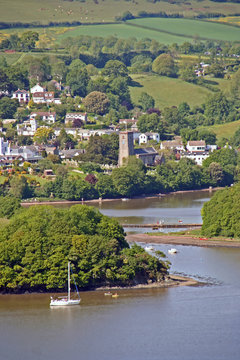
{"points": [[176, 145], [146, 137], [197, 151], [70, 117], [198, 145], [37, 88], [23, 96], [48, 117], [197, 156], [43, 97], [27, 128]]}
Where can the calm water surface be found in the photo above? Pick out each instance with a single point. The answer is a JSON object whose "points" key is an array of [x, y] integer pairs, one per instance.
{"points": [[200, 322]]}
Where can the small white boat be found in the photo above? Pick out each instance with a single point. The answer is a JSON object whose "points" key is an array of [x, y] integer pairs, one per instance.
{"points": [[125, 199], [108, 293], [66, 300], [172, 251], [149, 248]]}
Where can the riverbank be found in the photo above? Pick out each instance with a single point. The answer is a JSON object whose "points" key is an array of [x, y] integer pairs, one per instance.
{"points": [[100, 200], [170, 281], [182, 240]]}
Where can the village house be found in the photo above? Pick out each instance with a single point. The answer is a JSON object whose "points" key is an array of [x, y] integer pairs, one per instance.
{"points": [[9, 153], [83, 134], [43, 97], [175, 145], [197, 151], [198, 145], [37, 88], [70, 117], [23, 96], [27, 128], [47, 116], [144, 138]]}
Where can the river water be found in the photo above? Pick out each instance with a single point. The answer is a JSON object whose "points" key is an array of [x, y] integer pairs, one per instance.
{"points": [[198, 322]]}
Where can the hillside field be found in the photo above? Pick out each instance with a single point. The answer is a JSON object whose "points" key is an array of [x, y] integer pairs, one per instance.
{"points": [[226, 130], [190, 28], [89, 11], [168, 91]]}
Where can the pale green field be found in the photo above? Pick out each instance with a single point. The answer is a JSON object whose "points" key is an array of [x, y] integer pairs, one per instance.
{"points": [[10, 58], [167, 91], [105, 10], [191, 28], [225, 130], [123, 31]]}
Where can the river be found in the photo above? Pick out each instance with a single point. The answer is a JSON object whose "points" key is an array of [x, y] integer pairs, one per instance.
{"points": [[198, 322]]}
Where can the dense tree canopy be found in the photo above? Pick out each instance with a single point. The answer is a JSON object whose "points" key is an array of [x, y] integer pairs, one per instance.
{"points": [[221, 216], [164, 65], [34, 253]]}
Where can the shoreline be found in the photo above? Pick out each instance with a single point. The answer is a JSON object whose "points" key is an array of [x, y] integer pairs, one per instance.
{"points": [[172, 280], [159, 195], [184, 240]]}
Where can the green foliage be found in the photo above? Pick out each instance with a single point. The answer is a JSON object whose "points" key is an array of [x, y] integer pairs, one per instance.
{"points": [[8, 206], [77, 79], [221, 213], [164, 65], [97, 102], [146, 101], [8, 107], [34, 254]]}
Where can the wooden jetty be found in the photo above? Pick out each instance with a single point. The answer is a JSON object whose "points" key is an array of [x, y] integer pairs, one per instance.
{"points": [[162, 226]]}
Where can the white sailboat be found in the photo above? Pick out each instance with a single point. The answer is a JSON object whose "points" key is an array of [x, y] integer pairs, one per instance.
{"points": [[66, 300]]}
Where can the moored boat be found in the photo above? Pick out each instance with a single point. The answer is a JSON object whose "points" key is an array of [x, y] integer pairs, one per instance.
{"points": [[66, 300]]}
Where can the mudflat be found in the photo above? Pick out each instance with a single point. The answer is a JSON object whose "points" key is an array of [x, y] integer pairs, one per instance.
{"points": [[182, 240]]}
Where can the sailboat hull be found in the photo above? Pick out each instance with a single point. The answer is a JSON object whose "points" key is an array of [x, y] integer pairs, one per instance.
{"points": [[64, 302]]}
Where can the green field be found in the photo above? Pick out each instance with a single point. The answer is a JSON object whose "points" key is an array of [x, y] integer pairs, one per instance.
{"points": [[102, 10], [225, 130], [122, 31], [167, 91], [190, 28]]}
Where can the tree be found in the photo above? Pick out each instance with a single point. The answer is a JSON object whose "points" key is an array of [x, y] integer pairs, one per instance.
{"points": [[119, 87], [42, 135], [34, 255], [164, 65], [78, 79], [217, 107], [186, 72], [96, 102], [19, 187], [221, 214], [8, 206], [150, 122], [146, 101], [8, 107], [28, 40], [115, 68]]}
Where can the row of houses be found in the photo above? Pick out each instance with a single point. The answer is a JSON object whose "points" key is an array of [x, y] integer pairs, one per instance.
{"points": [[39, 95], [195, 150], [32, 154]]}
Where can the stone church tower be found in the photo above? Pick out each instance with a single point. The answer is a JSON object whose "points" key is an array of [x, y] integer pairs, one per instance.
{"points": [[126, 148]]}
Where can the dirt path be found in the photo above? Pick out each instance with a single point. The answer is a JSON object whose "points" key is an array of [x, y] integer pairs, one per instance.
{"points": [[182, 240]]}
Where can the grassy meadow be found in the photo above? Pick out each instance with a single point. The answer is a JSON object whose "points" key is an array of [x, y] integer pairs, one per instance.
{"points": [[168, 91], [190, 28], [226, 130], [89, 11], [123, 31]]}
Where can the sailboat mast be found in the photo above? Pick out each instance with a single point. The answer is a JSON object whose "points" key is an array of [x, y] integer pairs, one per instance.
{"points": [[69, 283]]}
